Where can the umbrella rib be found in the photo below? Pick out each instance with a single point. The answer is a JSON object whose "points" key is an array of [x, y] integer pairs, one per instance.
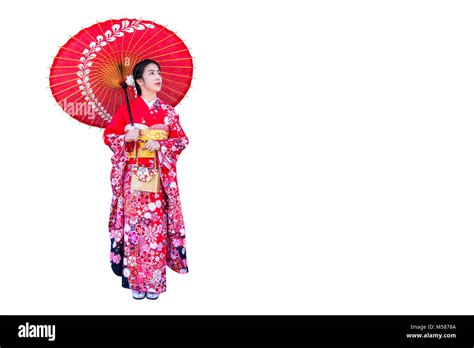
{"points": [[85, 45], [74, 86], [156, 43], [177, 82], [100, 58], [63, 66], [138, 40], [178, 66], [70, 95], [121, 52], [162, 48], [133, 49], [64, 58], [172, 60], [105, 75], [135, 61], [109, 91], [77, 39], [97, 58], [112, 112], [115, 102], [168, 53], [167, 73], [59, 75], [167, 87], [102, 117], [71, 50], [138, 49], [61, 83], [80, 97], [74, 102], [111, 51], [97, 96], [170, 97], [111, 23], [82, 120], [133, 35], [99, 92]]}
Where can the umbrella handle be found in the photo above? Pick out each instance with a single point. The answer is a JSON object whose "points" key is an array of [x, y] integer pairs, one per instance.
{"points": [[124, 86]]}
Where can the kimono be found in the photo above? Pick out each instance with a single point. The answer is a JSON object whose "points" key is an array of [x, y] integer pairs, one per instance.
{"points": [[146, 229]]}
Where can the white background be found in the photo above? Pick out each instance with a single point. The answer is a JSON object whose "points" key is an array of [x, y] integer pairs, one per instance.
{"points": [[329, 171]]}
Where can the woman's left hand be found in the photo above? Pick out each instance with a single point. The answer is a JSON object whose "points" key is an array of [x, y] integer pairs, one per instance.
{"points": [[152, 145]]}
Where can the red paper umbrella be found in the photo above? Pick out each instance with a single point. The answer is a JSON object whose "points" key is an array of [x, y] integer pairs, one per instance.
{"points": [[89, 71]]}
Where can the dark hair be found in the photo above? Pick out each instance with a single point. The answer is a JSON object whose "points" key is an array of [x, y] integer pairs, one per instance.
{"points": [[138, 70]]}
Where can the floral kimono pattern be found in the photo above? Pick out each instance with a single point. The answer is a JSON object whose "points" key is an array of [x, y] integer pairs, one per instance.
{"points": [[146, 229]]}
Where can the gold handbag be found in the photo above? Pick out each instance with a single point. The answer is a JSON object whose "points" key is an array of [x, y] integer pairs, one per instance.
{"points": [[144, 178]]}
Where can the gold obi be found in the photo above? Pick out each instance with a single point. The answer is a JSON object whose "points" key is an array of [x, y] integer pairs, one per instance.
{"points": [[148, 134]]}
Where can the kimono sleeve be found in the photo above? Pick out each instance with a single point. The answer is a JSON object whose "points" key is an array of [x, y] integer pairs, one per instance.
{"points": [[115, 126], [177, 140]]}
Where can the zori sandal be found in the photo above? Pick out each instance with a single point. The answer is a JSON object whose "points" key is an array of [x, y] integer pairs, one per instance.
{"points": [[138, 295], [152, 295]]}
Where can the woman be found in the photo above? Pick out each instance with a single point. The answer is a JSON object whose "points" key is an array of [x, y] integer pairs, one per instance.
{"points": [[146, 228]]}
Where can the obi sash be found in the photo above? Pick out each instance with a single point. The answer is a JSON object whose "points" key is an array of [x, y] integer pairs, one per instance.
{"points": [[147, 134]]}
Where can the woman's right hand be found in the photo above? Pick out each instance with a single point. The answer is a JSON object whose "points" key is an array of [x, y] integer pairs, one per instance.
{"points": [[132, 135]]}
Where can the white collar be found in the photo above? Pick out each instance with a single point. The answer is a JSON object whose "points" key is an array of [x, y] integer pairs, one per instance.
{"points": [[150, 104]]}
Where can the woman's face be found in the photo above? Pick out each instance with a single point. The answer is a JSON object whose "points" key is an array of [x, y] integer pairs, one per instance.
{"points": [[151, 79]]}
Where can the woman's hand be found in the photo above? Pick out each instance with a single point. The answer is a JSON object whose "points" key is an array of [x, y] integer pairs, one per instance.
{"points": [[152, 145], [132, 135]]}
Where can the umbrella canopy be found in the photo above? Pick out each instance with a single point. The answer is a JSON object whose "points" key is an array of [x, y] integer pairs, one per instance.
{"points": [[88, 72]]}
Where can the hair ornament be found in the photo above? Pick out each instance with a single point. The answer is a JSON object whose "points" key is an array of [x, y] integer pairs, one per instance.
{"points": [[130, 81]]}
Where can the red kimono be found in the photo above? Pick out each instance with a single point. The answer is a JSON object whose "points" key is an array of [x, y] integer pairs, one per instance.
{"points": [[146, 229]]}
